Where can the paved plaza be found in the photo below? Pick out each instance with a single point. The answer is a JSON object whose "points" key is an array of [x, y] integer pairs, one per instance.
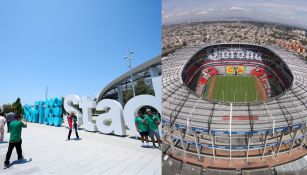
{"points": [[46, 151]]}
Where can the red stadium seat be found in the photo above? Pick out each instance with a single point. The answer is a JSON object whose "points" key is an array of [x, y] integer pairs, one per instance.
{"points": [[202, 80], [211, 71]]}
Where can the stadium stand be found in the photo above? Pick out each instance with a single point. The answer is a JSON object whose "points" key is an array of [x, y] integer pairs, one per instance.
{"points": [[195, 128]]}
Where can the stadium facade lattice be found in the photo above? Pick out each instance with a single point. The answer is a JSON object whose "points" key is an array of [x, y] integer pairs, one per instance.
{"points": [[263, 129]]}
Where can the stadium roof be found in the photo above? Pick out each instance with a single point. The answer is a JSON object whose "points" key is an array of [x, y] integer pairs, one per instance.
{"points": [[150, 63]]}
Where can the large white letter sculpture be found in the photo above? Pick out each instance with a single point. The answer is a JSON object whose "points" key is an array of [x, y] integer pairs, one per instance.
{"points": [[87, 105], [133, 105], [115, 113], [69, 101]]}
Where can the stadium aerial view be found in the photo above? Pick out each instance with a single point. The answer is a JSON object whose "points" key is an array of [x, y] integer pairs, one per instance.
{"points": [[234, 98], [234, 103]]}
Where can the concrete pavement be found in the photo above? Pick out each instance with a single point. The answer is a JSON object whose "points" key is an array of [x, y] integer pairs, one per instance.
{"points": [[46, 151]]}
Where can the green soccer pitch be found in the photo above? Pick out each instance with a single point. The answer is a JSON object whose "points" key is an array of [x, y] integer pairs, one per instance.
{"points": [[230, 88]]}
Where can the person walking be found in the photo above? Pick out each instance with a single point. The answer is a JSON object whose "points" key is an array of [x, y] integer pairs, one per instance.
{"points": [[141, 125], [2, 124], [15, 139], [72, 122], [153, 122]]}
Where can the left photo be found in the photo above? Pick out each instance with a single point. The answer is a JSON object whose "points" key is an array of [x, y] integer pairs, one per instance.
{"points": [[81, 87]]}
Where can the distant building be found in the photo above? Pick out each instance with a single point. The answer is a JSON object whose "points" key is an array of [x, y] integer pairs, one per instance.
{"points": [[292, 45]]}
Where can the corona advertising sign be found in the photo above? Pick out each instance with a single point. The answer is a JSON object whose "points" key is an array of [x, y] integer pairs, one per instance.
{"points": [[234, 70], [234, 54], [229, 70]]}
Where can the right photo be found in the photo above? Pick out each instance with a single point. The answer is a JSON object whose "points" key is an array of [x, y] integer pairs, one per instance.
{"points": [[234, 87]]}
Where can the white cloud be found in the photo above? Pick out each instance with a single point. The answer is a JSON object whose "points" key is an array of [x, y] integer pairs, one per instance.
{"points": [[238, 9], [182, 13], [174, 15], [203, 12]]}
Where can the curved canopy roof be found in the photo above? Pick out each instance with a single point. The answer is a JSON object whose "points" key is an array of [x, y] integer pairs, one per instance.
{"points": [[150, 63]]}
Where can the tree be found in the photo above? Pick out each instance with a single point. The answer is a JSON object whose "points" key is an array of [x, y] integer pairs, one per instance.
{"points": [[142, 88], [17, 107], [127, 95], [7, 108]]}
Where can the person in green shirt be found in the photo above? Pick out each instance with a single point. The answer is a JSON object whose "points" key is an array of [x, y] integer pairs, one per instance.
{"points": [[15, 138], [153, 122], [157, 114], [141, 125]]}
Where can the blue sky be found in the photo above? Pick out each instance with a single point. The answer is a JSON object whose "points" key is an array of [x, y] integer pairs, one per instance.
{"points": [[73, 46], [293, 12]]}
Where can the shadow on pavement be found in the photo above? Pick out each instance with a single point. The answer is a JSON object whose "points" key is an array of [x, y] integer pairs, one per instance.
{"points": [[112, 134], [75, 139], [23, 161]]}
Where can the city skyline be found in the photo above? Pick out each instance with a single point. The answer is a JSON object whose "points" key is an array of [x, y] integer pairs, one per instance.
{"points": [[285, 11]]}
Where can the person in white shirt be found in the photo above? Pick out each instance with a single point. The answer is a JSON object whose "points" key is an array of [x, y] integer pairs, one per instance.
{"points": [[2, 124]]}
